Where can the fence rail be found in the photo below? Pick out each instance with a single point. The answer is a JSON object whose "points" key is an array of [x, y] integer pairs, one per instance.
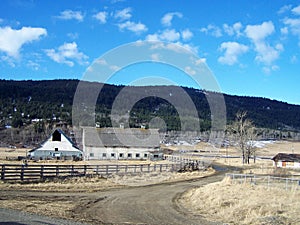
{"points": [[12, 172], [286, 183]]}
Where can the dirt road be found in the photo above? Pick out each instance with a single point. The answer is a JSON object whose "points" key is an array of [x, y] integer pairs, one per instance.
{"points": [[154, 204]]}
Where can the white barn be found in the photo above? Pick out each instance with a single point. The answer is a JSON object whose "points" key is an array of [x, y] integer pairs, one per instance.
{"points": [[57, 146], [119, 143], [285, 160]]}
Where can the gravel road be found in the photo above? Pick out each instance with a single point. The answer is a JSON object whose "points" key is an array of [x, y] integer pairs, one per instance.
{"points": [[153, 204], [14, 217]]}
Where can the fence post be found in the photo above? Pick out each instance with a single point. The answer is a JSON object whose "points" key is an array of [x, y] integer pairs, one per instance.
{"points": [[72, 170], [148, 168], [57, 171], [3, 172], [22, 173], [160, 167], [106, 169], [97, 170], [84, 170], [42, 172]]}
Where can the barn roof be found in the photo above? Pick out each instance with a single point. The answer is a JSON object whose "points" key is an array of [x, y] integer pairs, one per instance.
{"points": [[286, 157], [120, 137]]}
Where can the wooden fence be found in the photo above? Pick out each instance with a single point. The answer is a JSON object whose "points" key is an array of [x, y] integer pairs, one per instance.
{"points": [[12, 172]]}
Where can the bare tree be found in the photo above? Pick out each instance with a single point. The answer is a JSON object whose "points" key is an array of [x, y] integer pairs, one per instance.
{"points": [[245, 135]]}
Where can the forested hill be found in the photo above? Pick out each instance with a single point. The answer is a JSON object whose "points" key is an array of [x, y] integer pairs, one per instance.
{"points": [[25, 102]]}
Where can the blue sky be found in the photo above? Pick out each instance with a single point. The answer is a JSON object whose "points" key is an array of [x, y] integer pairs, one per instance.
{"points": [[251, 47]]}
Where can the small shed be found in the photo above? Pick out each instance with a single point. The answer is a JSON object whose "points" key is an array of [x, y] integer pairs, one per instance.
{"points": [[285, 160], [121, 144], [57, 146]]}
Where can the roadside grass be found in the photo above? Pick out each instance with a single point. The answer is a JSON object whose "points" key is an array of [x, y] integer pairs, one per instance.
{"points": [[243, 203]]}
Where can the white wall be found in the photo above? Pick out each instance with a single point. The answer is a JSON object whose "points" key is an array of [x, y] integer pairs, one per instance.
{"points": [[119, 153]]}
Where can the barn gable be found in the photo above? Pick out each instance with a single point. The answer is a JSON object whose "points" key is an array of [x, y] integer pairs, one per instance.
{"points": [[58, 145]]}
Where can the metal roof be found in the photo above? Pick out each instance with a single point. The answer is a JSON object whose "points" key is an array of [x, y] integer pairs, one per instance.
{"points": [[287, 157], [120, 137]]}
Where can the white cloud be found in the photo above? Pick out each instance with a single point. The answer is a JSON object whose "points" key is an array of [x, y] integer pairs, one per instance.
{"points": [[294, 25], [166, 20], [212, 30], [170, 35], [189, 70], [294, 59], [268, 70], [232, 51], [33, 65], [103, 62], [176, 47], [284, 31], [11, 41], [199, 61], [67, 53], [235, 29], [101, 17], [124, 14], [152, 37], [188, 47], [266, 53], [69, 15], [155, 57], [134, 27], [296, 10], [186, 34], [257, 34], [284, 9]]}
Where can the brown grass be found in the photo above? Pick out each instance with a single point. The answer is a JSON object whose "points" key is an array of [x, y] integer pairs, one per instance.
{"points": [[243, 204], [74, 184]]}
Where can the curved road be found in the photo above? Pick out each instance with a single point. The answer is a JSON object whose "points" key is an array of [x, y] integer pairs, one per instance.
{"points": [[154, 204]]}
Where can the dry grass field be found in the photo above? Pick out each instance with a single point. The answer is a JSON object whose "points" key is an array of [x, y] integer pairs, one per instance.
{"points": [[243, 204]]}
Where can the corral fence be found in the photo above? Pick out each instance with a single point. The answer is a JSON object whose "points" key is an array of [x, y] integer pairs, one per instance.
{"points": [[187, 162], [286, 183], [12, 172]]}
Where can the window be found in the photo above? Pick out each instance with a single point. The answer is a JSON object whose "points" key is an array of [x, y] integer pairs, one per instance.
{"points": [[91, 154], [56, 149], [155, 156], [56, 136], [137, 155], [104, 155], [121, 155], [145, 155], [112, 155], [129, 155]]}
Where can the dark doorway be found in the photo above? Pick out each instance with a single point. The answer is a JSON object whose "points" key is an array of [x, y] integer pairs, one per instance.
{"points": [[56, 136]]}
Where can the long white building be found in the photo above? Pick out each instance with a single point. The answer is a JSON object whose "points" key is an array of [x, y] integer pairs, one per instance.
{"points": [[120, 143]]}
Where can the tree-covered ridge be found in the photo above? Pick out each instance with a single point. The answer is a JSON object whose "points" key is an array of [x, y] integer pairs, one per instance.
{"points": [[25, 102]]}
